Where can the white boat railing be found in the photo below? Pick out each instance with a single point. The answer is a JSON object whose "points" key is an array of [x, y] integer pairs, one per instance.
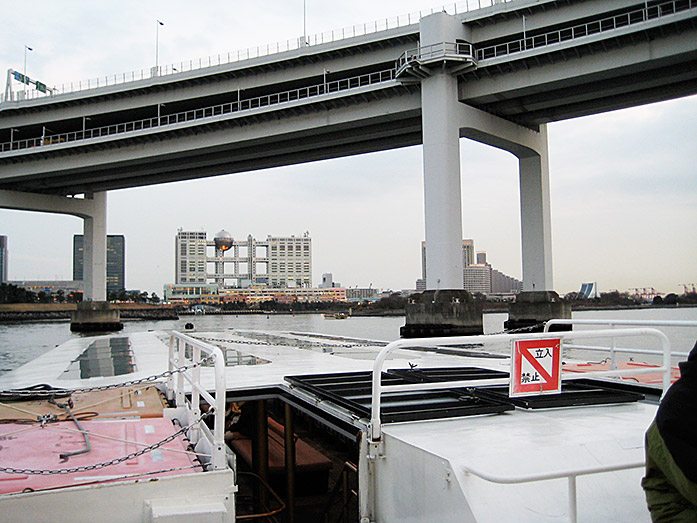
{"points": [[375, 427], [178, 344], [570, 474], [613, 349]]}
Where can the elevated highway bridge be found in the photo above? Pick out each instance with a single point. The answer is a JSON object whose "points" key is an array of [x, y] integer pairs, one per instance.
{"points": [[496, 75]]}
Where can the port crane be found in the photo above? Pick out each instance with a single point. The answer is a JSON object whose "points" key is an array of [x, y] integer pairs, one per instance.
{"points": [[686, 286]]}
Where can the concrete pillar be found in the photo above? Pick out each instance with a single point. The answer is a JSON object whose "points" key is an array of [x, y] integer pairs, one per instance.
{"points": [[535, 218], [441, 157], [94, 250]]}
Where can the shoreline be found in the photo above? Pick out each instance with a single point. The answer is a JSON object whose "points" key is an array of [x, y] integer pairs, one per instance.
{"points": [[36, 312]]}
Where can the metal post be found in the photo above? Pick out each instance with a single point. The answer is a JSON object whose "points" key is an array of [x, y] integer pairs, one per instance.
{"points": [[157, 46], [260, 451], [26, 48], [525, 42], [290, 463]]}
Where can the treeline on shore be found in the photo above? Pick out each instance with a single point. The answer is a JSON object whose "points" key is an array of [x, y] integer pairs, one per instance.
{"points": [[18, 304]]}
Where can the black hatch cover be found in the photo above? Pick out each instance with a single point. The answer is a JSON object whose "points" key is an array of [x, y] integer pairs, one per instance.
{"points": [[353, 391]]}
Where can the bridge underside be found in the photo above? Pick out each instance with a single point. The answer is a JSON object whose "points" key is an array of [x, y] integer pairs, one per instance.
{"points": [[272, 139], [640, 68]]}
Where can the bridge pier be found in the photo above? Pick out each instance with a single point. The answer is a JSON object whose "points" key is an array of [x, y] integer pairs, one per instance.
{"points": [[445, 119], [441, 158], [93, 210]]}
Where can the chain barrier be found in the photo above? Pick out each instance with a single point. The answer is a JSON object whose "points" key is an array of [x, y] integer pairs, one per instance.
{"points": [[115, 461], [290, 344], [61, 392]]}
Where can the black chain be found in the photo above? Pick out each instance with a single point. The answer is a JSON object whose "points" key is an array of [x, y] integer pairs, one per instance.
{"points": [[149, 379], [104, 464], [289, 343]]}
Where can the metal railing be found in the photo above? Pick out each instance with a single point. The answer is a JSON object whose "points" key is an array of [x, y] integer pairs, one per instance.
{"points": [[375, 428], [243, 105], [591, 28], [261, 50], [570, 474], [613, 349], [454, 50], [178, 345]]}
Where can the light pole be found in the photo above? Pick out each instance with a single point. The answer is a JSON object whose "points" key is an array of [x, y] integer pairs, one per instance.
{"points": [[26, 48], [525, 42], [157, 46], [304, 23]]}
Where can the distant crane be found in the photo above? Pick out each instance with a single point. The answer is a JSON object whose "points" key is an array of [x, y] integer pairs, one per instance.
{"points": [[645, 293], [685, 286]]}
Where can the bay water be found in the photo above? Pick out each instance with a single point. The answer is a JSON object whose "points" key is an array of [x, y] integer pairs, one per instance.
{"points": [[23, 342]]}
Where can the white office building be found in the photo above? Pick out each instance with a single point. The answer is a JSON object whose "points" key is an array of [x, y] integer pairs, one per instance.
{"points": [[276, 262]]}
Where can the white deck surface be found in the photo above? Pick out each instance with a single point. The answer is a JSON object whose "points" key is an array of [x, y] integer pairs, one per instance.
{"points": [[423, 474]]}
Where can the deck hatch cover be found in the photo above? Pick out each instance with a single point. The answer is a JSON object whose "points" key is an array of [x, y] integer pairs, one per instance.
{"points": [[353, 391], [573, 393]]}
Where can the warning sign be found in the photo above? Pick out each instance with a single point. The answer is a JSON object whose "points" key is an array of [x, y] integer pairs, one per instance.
{"points": [[535, 367]]}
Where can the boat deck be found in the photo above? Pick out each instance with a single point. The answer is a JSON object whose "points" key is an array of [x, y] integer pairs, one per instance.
{"points": [[485, 463]]}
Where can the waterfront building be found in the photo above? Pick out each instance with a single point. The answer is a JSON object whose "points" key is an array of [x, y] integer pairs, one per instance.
{"points": [[364, 294], [212, 294], [190, 257], [115, 261], [476, 277], [467, 259], [276, 262], [51, 286], [189, 292], [327, 281], [3, 259], [503, 284]]}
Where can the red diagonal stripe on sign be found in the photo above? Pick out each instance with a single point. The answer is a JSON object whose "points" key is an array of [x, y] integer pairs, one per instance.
{"points": [[536, 364]]}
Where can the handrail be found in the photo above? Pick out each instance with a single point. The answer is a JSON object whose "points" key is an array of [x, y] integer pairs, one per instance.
{"points": [[248, 104], [580, 31], [459, 50], [260, 51], [375, 428], [570, 474], [177, 358], [624, 323]]}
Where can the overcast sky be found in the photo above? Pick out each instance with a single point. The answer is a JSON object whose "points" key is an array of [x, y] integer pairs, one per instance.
{"points": [[623, 184]]}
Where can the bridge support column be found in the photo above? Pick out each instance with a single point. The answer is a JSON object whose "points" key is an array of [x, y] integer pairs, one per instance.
{"points": [[94, 249], [446, 308], [94, 313], [441, 157]]}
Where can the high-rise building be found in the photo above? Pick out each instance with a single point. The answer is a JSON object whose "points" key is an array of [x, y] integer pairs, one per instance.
{"points": [[3, 259], [190, 257], [476, 277], [115, 261], [276, 262], [327, 281], [467, 255]]}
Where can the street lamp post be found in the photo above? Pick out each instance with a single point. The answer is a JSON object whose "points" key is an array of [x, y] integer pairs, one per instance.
{"points": [[157, 46], [26, 48]]}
